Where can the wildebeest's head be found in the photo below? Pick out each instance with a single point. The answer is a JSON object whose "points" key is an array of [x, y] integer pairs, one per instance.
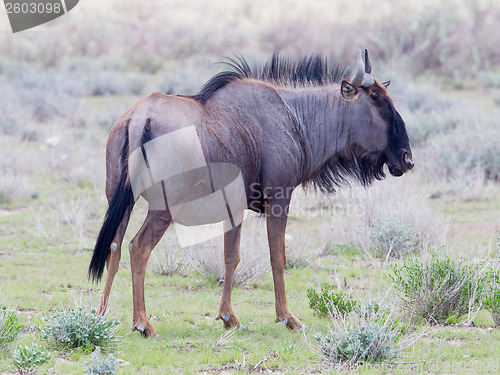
{"points": [[376, 127]]}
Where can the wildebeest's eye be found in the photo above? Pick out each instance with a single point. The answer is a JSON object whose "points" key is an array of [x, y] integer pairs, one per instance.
{"points": [[379, 101]]}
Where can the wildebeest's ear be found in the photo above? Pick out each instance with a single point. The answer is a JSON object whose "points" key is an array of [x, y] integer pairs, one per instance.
{"points": [[349, 92], [386, 84]]}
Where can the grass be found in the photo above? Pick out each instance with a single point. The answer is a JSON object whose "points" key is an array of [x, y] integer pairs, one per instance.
{"points": [[183, 307]]}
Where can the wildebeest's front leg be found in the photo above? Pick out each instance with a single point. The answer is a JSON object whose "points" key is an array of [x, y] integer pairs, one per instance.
{"points": [[277, 212], [231, 260]]}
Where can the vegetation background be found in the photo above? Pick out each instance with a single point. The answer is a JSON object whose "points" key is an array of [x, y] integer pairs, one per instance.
{"points": [[63, 84]]}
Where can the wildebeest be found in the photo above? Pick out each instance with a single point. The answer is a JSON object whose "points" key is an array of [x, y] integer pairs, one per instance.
{"points": [[285, 124]]}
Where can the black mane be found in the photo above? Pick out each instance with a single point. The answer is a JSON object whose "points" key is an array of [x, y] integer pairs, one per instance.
{"points": [[311, 70], [354, 164]]}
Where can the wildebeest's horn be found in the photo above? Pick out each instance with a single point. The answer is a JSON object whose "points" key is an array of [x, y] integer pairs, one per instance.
{"points": [[368, 66], [360, 73]]}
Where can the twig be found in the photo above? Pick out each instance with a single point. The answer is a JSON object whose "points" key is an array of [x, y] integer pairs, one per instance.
{"points": [[261, 362]]}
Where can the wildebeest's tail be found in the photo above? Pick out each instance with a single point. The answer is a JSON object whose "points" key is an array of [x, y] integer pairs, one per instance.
{"points": [[121, 203]]}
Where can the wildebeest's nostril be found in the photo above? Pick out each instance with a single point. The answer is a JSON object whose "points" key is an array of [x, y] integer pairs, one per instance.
{"points": [[408, 161]]}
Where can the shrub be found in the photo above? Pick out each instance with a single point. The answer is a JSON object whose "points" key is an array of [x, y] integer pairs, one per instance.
{"points": [[391, 238], [328, 302], [106, 83], [12, 187], [98, 365], [492, 299], [437, 289], [374, 312], [9, 327], [79, 328], [471, 145], [30, 356], [492, 303], [372, 342], [367, 333]]}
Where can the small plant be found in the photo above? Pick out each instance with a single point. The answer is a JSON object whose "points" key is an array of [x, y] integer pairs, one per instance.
{"points": [[369, 333], [329, 302], [372, 342], [98, 365], [391, 238], [79, 328], [439, 289], [30, 356], [9, 327]]}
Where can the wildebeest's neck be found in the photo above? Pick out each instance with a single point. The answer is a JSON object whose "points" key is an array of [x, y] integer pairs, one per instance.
{"points": [[320, 115]]}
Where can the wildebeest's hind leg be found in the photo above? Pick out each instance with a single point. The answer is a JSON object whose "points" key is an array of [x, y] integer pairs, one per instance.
{"points": [[276, 213], [145, 240], [231, 260], [112, 263]]}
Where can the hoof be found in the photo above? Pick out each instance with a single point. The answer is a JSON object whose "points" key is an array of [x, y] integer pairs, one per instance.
{"points": [[229, 320], [291, 323], [146, 330], [242, 328], [141, 328]]}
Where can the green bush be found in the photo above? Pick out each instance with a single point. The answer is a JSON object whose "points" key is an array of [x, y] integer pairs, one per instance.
{"points": [[9, 327], [492, 303], [79, 328], [436, 290], [372, 342], [492, 300], [98, 365], [30, 356], [329, 302]]}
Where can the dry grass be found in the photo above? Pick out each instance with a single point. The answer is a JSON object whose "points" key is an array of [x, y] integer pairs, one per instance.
{"points": [[207, 258], [74, 213], [168, 258], [13, 187], [368, 217]]}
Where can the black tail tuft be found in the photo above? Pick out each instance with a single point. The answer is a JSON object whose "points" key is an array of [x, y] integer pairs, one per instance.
{"points": [[121, 203]]}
